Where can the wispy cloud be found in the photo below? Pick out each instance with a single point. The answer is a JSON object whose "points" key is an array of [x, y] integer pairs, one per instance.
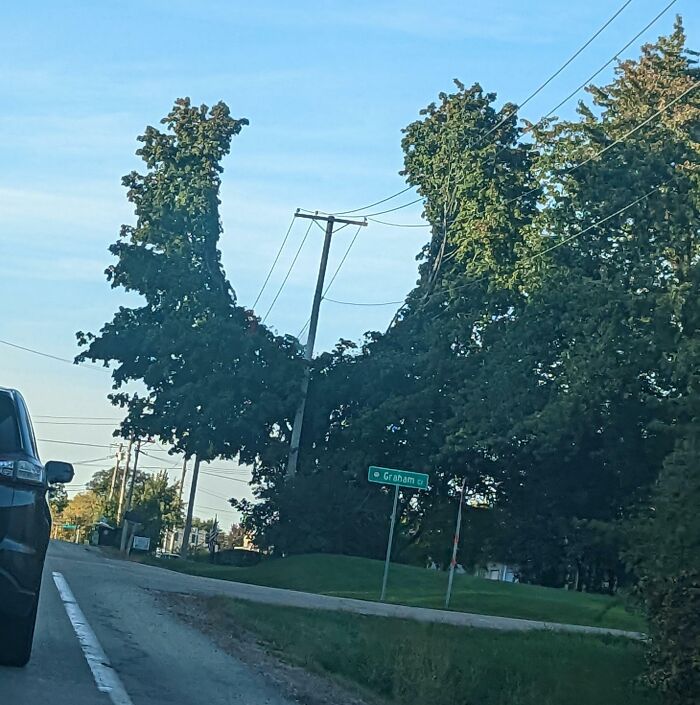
{"points": [[452, 19], [81, 135], [78, 209], [20, 265]]}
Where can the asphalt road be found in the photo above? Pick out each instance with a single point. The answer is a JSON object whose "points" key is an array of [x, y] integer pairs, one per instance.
{"points": [[103, 638], [141, 655]]}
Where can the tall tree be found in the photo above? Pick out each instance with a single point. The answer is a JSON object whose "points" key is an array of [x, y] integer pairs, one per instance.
{"points": [[158, 505], [217, 382], [535, 356], [215, 378]]}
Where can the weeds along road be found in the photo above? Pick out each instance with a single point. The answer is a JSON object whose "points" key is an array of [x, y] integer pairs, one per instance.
{"points": [[103, 639]]}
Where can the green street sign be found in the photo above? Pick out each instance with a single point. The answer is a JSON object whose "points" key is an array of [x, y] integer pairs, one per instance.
{"points": [[70, 526], [400, 478]]}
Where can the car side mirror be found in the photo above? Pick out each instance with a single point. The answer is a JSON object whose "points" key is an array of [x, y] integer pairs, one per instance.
{"points": [[58, 472]]}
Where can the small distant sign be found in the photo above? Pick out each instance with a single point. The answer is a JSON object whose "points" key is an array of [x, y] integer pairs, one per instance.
{"points": [[70, 526], [141, 543], [402, 478]]}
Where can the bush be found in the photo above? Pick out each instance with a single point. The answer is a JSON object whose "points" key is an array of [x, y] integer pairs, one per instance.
{"points": [[238, 557], [665, 551], [674, 655]]}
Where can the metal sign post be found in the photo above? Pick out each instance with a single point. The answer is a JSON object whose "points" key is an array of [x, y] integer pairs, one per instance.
{"points": [[453, 562], [398, 478], [387, 560]]}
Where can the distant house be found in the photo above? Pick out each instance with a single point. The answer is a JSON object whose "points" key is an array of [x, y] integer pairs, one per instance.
{"points": [[494, 570], [172, 540]]}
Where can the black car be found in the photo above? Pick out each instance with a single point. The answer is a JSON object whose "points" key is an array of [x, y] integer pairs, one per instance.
{"points": [[25, 526]]}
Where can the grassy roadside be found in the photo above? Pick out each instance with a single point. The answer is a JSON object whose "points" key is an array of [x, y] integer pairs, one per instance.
{"points": [[410, 663], [347, 576]]}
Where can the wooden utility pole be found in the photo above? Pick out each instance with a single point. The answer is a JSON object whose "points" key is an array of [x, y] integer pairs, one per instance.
{"points": [[182, 485], [115, 472], [190, 510], [313, 325], [182, 478], [124, 548], [122, 491], [133, 476]]}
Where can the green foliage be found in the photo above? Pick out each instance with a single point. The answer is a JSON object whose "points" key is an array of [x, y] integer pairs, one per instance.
{"points": [[158, 504], [83, 509], [240, 558], [58, 499], [674, 657], [217, 381], [665, 550], [155, 499], [361, 578], [404, 661], [534, 362], [549, 354]]}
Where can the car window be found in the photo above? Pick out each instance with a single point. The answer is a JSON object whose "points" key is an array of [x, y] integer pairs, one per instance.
{"points": [[9, 428], [26, 429]]}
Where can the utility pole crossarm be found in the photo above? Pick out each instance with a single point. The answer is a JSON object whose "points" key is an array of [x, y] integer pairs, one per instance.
{"points": [[344, 221]]}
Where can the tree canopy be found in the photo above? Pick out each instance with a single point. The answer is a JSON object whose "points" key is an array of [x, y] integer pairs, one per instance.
{"points": [[217, 382]]}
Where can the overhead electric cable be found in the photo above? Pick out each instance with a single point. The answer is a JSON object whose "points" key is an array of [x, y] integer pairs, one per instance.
{"points": [[274, 263], [335, 274], [532, 95], [289, 271], [90, 366], [543, 85]]}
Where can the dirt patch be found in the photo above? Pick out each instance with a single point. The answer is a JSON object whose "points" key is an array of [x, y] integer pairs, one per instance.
{"points": [[294, 682]]}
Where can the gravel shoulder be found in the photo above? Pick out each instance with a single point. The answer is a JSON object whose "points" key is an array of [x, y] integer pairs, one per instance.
{"points": [[294, 682]]}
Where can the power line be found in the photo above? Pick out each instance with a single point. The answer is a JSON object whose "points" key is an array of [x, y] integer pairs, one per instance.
{"points": [[608, 62], [219, 468], [289, 271], [90, 418], [220, 471], [157, 467], [73, 423], [359, 303], [587, 82], [214, 509], [597, 223], [566, 240], [401, 225], [73, 443], [94, 460], [89, 366], [368, 215], [376, 203], [532, 95], [274, 263], [398, 208], [566, 171], [335, 274], [543, 85], [617, 141]]}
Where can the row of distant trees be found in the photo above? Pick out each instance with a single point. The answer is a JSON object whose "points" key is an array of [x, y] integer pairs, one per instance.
{"points": [[156, 500], [549, 356]]}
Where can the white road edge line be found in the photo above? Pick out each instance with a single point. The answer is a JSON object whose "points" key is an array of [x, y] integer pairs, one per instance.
{"points": [[105, 676]]}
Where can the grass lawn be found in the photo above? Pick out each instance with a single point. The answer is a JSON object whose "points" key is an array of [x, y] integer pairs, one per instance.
{"points": [[360, 578], [411, 663]]}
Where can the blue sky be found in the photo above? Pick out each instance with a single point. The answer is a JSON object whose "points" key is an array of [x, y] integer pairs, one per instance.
{"points": [[327, 87]]}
